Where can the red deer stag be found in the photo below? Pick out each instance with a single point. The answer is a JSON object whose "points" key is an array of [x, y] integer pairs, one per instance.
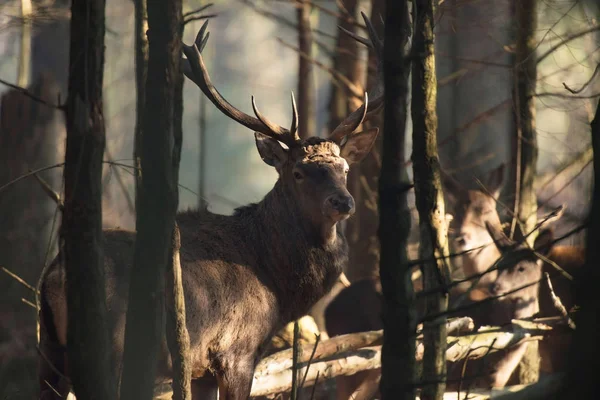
{"points": [[246, 275]]}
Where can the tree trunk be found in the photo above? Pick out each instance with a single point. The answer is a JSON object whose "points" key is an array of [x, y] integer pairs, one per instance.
{"points": [[178, 337], [306, 84], [364, 247], [141, 71], [348, 64], [157, 203], [429, 199], [81, 231], [525, 205], [25, 53], [582, 380], [399, 313]]}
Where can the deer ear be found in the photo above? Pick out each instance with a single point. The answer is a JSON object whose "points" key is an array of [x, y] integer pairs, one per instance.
{"points": [[543, 241], [450, 186], [501, 241], [494, 181], [270, 150], [358, 145]]}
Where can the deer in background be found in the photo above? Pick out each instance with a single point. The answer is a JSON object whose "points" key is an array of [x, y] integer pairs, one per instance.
{"points": [[476, 235], [246, 275]]}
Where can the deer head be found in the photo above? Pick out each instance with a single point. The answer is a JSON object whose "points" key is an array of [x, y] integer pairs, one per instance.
{"points": [[471, 210], [312, 171], [519, 274]]}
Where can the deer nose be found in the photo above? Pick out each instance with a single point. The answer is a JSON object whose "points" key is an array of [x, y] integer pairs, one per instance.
{"points": [[344, 204], [461, 241], [495, 289]]}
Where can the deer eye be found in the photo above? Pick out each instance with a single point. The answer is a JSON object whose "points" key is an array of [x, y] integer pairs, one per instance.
{"points": [[521, 269], [346, 171], [298, 175]]}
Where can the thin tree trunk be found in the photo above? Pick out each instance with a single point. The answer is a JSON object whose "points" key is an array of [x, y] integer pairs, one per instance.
{"points": [[364, 247], [346, 63], [88, 352], [526, 148], [25, 53], [141, 71], [525, 77], [399, 314], [157, 203], [429, 199], [178, 337], [306, 84], [582, 380]]}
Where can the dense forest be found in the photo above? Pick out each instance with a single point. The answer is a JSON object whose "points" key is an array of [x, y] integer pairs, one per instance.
{"points": [[349, 199]]}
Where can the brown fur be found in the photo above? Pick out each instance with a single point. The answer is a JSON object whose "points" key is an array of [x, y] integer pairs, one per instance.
{"points": [[245, 276]]}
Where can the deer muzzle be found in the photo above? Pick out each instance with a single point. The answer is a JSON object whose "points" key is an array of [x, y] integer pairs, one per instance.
{"points": [[339, 206]]}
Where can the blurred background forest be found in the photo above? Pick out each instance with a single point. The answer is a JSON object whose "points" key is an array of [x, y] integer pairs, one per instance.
{"points": [[252, 52]]}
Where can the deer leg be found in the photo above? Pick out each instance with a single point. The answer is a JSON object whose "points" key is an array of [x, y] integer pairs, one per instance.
{"points": [[504, 368], [52, 379], [235, 383], [205, 388], [368, 388]]}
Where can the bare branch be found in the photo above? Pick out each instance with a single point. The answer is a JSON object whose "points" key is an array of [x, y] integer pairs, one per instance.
{"points": [[338, 78], [50, 192], [32, 96], [585, 85], [567, 40], [558, 304], [18, 279]]}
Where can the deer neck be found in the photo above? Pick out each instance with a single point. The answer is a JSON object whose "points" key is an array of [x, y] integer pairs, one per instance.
{"points": [[300, 263]]}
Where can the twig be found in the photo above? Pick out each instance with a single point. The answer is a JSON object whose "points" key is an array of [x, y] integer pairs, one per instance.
{"points": [[585, 85], [32, 96], [580, 159], [52, 388], [198, 18], [312, 355], [295, 345], [18, 279], [348, 19], [52, 366], [566, 96], [312, 393], [29, 303], [338, 78], [197, 10], [565, 41], [20, 178], [50, 192], [558, 304]]}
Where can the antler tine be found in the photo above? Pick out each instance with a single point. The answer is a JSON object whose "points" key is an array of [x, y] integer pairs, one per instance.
{"points": [[194, 68], [277, 132], [351, 122], [373, 37], [354, 36], [294, 126]]}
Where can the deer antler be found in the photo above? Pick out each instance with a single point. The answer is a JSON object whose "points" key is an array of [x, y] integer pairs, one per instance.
{"points": [[353, 121], [195, 69]]}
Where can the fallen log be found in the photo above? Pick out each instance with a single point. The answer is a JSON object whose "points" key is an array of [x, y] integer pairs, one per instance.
{"points": [[272, 379], [282, 360]]}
